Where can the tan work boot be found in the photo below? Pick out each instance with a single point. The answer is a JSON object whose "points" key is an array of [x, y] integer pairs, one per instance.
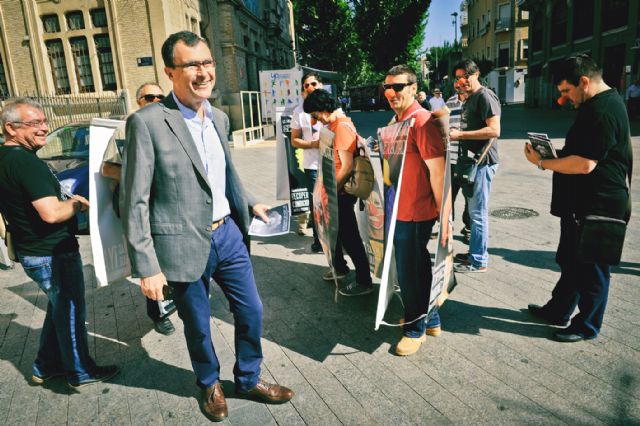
{"points": [[434, 331], [409, 345]]}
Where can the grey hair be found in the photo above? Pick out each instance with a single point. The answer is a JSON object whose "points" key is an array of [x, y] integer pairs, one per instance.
{"points": [[10, 113], [143, 85]]}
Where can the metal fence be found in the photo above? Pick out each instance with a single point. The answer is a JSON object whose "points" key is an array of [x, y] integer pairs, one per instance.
{"points": [[64, 109]]}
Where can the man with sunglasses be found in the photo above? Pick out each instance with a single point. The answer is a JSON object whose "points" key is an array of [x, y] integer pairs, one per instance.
{"points": [[186, 217], [111, 168], [41, 224], [480, 122], [305, 134], [418, 207]]}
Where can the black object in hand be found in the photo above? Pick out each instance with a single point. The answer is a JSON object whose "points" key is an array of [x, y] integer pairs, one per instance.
{"points": [[167, 292]]}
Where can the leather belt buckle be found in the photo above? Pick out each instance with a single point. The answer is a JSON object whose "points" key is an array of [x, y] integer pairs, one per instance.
{"points": [[215, 225]]}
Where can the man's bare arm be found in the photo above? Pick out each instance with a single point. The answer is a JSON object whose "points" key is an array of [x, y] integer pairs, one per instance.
{"points": [[111, 171], [298, 142], [52, 210], [491, 130]]}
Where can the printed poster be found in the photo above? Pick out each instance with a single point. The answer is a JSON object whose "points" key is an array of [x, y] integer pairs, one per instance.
{"points": [[279, 88], [393, 142], [298, 193], [108, 244], [325, 199], [371, 216]]}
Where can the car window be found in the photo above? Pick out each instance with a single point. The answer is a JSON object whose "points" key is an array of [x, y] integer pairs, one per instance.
{"points": [[68, 141]]}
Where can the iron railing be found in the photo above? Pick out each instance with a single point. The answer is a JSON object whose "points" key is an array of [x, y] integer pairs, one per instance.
{"points": [[65, 109]]}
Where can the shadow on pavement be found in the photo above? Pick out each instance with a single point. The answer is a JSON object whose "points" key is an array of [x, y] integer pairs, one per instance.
{"points": [[122, 347], [541, 259], [460, 317]]}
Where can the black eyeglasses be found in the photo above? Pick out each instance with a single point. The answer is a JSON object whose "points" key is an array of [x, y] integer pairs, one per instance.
{"points": [[34, 123], [151, 97], [207, 64], [460, 77], [313, 83], [397, 87]]}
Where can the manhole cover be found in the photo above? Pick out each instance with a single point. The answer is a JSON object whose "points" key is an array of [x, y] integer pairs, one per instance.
{"points": [[513, 213]]}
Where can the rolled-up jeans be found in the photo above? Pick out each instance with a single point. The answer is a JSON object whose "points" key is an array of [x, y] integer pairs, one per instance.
{"points": [[63, 340], [479, 215]]}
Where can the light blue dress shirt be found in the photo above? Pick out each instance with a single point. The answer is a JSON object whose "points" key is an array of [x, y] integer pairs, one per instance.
{"points": [[209, 147]]}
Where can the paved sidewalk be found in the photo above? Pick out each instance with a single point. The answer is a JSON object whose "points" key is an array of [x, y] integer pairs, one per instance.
{"points": [[493, 364]]}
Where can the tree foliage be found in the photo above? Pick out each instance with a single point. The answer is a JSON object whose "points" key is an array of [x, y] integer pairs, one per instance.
{"points": [[391, 31], [359, 38], [326, 35]]}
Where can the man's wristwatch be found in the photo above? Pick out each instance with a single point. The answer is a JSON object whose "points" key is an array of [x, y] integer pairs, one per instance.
{"points": [[540, 164]]}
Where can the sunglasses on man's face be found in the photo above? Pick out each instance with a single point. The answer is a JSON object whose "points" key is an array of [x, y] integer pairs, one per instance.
{"points": [[311, 83], [151, 97], [397, 87]]}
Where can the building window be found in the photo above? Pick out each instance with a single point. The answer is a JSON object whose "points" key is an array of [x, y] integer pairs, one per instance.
{"points": [[194, 25], [4, 88], [583, 19], [50, 23], [98, 18], [80, 52], [503, 55], [559, 23], [614, 14], [524, 49], [58, 66], [105, 59], [75, 20]]}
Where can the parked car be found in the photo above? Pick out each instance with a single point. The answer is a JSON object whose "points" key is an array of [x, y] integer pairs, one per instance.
{"points": [[67, 155]]}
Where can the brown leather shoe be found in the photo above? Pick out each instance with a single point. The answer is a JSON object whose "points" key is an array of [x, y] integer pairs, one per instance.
{"points": [[269, 393], [214, 403]]}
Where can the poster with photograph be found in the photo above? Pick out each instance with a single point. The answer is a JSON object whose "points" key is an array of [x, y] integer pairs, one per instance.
{"points": [[279, 219], [325, 199], [298, 193], [393, 143], [371, 216]]}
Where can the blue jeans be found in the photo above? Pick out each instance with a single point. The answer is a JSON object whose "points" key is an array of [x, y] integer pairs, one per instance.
{"points": [[479, 215], [312, 175], [63, 340], [413, 264], [583, 284], [230, 266]]}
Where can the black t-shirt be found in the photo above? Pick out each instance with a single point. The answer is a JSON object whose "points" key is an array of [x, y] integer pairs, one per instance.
{"points": [[480, 106], [25, 178], [601, 133]]}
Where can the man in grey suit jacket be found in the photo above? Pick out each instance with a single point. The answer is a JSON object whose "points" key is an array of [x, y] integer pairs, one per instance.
{"points": [[186, 218]]}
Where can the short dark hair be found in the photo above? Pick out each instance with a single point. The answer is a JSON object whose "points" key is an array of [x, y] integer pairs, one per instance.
{"points": [[309, 75], [571, 69], [320, 101], [467, 65], [169, 45], [403, 69]]}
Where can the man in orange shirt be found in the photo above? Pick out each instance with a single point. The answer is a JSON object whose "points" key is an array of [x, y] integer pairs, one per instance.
{"points": [[418, 207]]}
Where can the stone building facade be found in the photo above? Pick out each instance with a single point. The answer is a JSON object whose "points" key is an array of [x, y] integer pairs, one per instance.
{"points": [[607, 30], [497, 31], [68, 47]]}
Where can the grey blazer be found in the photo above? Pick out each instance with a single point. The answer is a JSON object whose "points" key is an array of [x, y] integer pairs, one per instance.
{"points": [[165, 198]]}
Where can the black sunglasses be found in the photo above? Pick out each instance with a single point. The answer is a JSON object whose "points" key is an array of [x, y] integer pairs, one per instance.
{"points": [[313, 83], [397, 87], [151, 97]]}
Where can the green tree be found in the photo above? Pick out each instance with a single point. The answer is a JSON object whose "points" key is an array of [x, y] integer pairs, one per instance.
{"points": [[326, 36], [390, 31]]}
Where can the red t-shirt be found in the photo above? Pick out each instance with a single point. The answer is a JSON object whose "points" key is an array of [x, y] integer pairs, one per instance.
{"points": [[345, 139], [417, 202]]}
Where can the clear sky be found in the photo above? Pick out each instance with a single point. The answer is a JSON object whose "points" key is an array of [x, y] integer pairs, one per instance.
{"points": [[439, 26]]}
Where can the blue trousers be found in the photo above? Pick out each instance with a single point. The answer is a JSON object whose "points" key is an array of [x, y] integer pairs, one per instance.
{"points": [[581, 284], [229, 265], [63, 340], [413, 264], [479, 215]]}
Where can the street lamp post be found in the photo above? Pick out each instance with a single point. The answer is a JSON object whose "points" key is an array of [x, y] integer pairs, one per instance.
{"points": [[455, 28]]}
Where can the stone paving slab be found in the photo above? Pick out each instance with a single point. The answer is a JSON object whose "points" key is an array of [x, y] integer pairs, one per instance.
{"points": [[493, 364]]}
